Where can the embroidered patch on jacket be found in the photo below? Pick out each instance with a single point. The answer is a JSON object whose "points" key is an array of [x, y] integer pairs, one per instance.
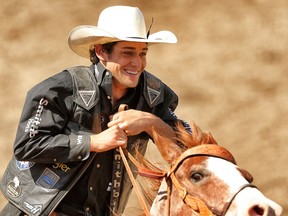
{"points": [[48, 179], [153, 94], [13, 187], [24, 165], [87, 96], [34, 209]]}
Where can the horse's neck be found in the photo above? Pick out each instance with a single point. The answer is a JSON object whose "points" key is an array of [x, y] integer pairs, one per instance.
{"points": [[177, 206]]}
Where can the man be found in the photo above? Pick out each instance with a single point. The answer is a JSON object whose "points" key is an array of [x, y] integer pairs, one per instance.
{"points": [[65, 159]]}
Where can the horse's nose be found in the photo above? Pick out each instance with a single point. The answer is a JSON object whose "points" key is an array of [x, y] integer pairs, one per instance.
{"points": [[265, 210]]}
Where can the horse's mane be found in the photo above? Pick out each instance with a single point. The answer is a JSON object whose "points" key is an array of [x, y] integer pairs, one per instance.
{"points": [[184, 140], [197, 137]]}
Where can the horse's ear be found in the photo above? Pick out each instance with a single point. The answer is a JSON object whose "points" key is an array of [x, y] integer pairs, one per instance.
{"points": [[168, 148]]}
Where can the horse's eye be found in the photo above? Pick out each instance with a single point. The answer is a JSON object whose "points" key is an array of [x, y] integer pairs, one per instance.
{"points": [[196, 177]]}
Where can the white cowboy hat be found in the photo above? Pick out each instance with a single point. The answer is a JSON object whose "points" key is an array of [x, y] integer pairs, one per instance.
{"points": [[116, 23]]}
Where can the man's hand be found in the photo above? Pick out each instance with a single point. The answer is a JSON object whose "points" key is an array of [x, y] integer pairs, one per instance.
{"points": [[108, 139], [134, 122]]}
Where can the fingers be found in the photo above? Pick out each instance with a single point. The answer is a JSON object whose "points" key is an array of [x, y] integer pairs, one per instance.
{"points": [[122, 134], [122, 138], [114, 120], [117, 121], [108, 139]]}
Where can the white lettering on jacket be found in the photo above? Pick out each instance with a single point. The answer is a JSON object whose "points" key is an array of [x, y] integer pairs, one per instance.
{"points": [[79, 140], [33, 208], [37, 119]]}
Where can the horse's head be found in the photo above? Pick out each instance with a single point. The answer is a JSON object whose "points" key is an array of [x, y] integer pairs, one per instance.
{"points": [[204, 179]]}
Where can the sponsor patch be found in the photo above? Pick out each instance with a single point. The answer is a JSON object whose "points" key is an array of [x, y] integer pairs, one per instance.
{"points": [[28, 125], [61, 166], [37, 119], [48, 179], [13, 187], [33, 208], [24, 165], [79, 140]]}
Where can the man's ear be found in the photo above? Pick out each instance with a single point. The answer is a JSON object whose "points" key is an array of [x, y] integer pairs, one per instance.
{"points": [[100, 52]]}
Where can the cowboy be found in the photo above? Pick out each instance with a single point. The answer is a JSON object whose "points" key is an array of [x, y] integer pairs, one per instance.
{"points": [[65, 158]]}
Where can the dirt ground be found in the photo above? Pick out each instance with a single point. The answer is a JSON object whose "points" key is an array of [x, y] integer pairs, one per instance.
{"points": [[229, 68]]}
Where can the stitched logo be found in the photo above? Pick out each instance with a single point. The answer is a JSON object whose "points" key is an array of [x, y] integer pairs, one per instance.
{"points": [[48, 179], [13, 187], [37, 119], [87, 96], [153, 94], [33, 208], [24, 165]]}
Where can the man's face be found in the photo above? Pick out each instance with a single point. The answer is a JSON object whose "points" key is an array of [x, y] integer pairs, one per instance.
{"points": [[126, 63]]}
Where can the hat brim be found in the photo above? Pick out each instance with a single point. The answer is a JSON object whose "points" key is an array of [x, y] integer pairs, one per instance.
{"points": [[83, 38]]}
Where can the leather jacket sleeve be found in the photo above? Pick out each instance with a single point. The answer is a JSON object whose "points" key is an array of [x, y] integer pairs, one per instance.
{"points": [[42, 134]]}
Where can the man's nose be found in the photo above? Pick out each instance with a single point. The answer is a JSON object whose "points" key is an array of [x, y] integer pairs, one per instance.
{"points": [[137, 61]]}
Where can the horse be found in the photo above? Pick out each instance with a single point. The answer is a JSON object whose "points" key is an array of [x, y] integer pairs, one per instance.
{"points": [[203, 179]]}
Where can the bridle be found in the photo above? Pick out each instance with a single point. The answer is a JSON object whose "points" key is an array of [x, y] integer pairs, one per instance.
{"points": [[193, 202], [199, 206]]}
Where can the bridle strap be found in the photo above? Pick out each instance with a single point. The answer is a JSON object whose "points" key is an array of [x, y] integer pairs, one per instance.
{"points": [[228, 204], [194, 203], [211, 150], [198, 205]]}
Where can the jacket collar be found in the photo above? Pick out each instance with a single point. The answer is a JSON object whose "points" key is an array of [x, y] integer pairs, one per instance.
{"points": [[103, 78]]}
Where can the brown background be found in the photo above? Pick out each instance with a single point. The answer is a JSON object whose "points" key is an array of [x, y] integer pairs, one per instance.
{"points": [[229, 69]]}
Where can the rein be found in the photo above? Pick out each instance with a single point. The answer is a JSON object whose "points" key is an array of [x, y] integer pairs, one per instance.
{"points": [[121, 108]]}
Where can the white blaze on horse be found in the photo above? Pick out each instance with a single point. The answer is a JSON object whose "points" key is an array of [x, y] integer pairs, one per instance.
{"points": [[204, 180]]}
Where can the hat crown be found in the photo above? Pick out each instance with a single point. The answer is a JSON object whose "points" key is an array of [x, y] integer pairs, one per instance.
{"points": [[123, 22]]}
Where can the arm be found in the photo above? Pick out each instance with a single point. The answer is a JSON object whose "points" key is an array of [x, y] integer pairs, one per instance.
{"points": [[42, 134], [134, 122], [162, 119]]}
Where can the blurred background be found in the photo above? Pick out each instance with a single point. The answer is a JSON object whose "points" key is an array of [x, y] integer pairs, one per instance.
{"points": [[229, 68]]}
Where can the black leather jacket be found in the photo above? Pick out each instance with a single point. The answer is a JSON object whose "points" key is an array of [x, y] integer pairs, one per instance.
{"points": [[51, 150]]}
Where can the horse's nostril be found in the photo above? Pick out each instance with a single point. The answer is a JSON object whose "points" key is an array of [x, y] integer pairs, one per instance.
{"points": [[256, 211], [259, 210]]}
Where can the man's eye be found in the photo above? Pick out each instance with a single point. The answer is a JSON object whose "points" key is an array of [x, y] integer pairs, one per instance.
{"points": [[128, 53]]}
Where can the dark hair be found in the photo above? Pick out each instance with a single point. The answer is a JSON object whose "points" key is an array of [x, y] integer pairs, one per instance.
{"points": [[108, 48]]}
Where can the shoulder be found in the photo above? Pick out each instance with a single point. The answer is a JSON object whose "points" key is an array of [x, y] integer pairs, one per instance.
{"points": [[62, 79], [59, 80], [60, 83]]}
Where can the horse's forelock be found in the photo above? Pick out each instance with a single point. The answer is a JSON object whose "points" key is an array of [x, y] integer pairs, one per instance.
{"points": [[198, 137]]}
